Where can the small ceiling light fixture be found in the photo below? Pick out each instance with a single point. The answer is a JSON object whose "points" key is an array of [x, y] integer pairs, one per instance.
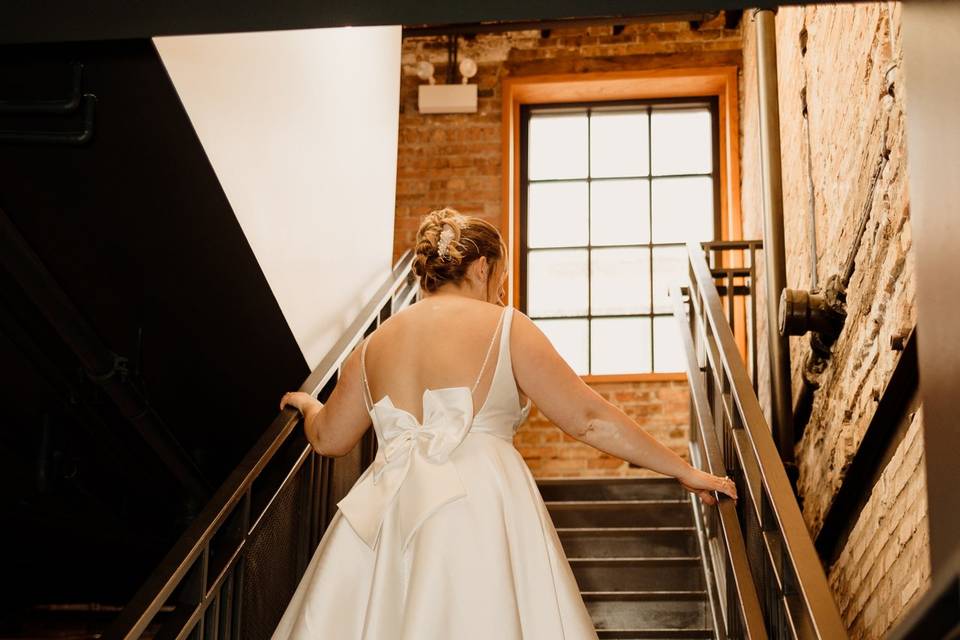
{"points": [[449, 97], [425, 71], [468, 69]]}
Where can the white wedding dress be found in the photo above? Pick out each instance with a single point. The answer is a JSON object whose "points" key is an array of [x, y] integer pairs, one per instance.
{"points": [[445, 536]]}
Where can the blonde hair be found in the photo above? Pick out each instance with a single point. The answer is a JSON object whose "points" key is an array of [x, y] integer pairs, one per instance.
{"points": [[472, 237]]}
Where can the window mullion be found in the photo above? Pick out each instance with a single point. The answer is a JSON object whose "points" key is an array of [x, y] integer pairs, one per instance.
{"points": [[650, 222], [589, 248]]}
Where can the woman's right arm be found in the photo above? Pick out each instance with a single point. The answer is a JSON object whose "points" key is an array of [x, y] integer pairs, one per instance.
{"points": [[567, 401]]}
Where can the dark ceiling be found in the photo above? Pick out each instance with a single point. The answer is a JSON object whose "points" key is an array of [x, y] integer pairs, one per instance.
{"points": [[68, 20]]}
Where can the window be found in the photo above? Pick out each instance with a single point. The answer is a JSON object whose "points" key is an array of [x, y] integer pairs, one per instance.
{"points": [[609, 195]]}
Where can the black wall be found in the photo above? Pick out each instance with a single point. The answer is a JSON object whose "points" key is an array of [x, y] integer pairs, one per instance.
{"points": [[134, 227]]}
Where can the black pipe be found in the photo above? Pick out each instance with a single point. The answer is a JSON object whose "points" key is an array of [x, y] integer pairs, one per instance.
{"points": [[501, 26], [74, 137]]}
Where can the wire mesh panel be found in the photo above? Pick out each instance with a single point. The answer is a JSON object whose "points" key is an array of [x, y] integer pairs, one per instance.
{"points": [[273, 558]]}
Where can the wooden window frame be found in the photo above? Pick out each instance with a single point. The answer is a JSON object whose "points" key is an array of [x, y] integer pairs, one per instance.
{"points": [[692, 82]]}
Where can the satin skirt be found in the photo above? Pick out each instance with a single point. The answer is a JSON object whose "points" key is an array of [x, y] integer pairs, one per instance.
{"points": [[487, 565]]}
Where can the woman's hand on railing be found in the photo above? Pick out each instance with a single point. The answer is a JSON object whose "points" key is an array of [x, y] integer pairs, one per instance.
{"points": [[299, 400], [703, 483], [309, 407]]}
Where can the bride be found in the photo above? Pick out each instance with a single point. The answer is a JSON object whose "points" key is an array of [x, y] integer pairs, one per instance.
{"points": [[445, 535]]}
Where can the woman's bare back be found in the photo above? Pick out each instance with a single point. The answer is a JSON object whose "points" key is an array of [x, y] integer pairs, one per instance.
{"points": [[440, 341]]}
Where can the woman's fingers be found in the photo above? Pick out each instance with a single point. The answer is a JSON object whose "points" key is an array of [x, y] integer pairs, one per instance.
{"points": [[728, 486], [723, 484]]}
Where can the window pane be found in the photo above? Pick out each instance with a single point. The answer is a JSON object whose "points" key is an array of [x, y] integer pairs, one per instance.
{"points": [[620, 281], [668, 355], [682, 141], [557, 146], [569, 338], [620, 345], [557, 282], [557, 214], [619, 212], [682, 209], [669, 268], [618, 144]]}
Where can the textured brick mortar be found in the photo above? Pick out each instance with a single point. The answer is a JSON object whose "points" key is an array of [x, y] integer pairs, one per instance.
{"points": [[850, 78], [885, 566], [456, 160]]}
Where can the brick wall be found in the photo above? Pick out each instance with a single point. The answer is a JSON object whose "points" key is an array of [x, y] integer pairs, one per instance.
{"points": [[885, 566], [850, 76], [662, 408], [455, 160]]}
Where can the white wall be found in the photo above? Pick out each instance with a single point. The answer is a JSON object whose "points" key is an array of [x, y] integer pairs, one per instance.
{"points": [[301, 129]]}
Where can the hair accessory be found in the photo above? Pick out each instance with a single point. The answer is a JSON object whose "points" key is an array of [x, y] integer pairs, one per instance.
{"points": [[445, 237]]}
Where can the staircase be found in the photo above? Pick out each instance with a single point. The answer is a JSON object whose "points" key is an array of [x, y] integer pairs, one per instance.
{"points": [[633, 547], [651, 560]]}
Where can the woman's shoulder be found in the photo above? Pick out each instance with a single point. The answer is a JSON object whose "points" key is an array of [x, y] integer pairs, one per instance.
{"points": [[431, 314]]}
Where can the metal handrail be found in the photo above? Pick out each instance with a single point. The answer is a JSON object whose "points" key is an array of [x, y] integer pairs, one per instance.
{"points": [[716, 251], [707, 454], [233, 499], [794, 596]]}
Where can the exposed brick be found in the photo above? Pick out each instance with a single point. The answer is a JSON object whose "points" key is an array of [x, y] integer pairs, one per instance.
{"points": [[549, 451], [856, 124]]}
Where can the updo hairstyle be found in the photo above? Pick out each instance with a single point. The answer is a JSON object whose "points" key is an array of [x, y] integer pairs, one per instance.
{"points": [[471, 238]]}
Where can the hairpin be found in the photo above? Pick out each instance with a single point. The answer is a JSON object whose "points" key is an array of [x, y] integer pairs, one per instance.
{"points": [[445, 237]]}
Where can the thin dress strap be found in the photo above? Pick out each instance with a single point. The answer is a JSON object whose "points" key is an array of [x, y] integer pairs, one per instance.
{"points": [[367, 396], [489, 349]]}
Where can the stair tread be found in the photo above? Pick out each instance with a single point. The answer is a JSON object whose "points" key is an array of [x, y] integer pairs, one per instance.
{"points": [[639, 529], [605, 480], [635, 559], [619, 502], [647, 594], [654, 634]]}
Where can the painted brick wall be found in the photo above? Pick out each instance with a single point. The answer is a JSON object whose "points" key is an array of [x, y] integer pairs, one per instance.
{"points": [[455, 160], [850, 76]]}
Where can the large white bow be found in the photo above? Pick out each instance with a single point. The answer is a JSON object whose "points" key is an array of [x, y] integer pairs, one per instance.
{"points": [[412, 466]]}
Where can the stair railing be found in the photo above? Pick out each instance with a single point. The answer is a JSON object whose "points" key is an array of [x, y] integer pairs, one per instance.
{"points": [[233, 571], [767, 577]]}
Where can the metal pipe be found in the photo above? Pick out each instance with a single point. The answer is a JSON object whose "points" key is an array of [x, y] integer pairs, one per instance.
{"points": [[773, 241]]}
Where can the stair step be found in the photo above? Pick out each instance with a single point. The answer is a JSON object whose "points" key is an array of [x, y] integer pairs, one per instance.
{"points": [[611, 489], [620, 513], [647, 609], [613, 542], [680, 573], [654, 634]]}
